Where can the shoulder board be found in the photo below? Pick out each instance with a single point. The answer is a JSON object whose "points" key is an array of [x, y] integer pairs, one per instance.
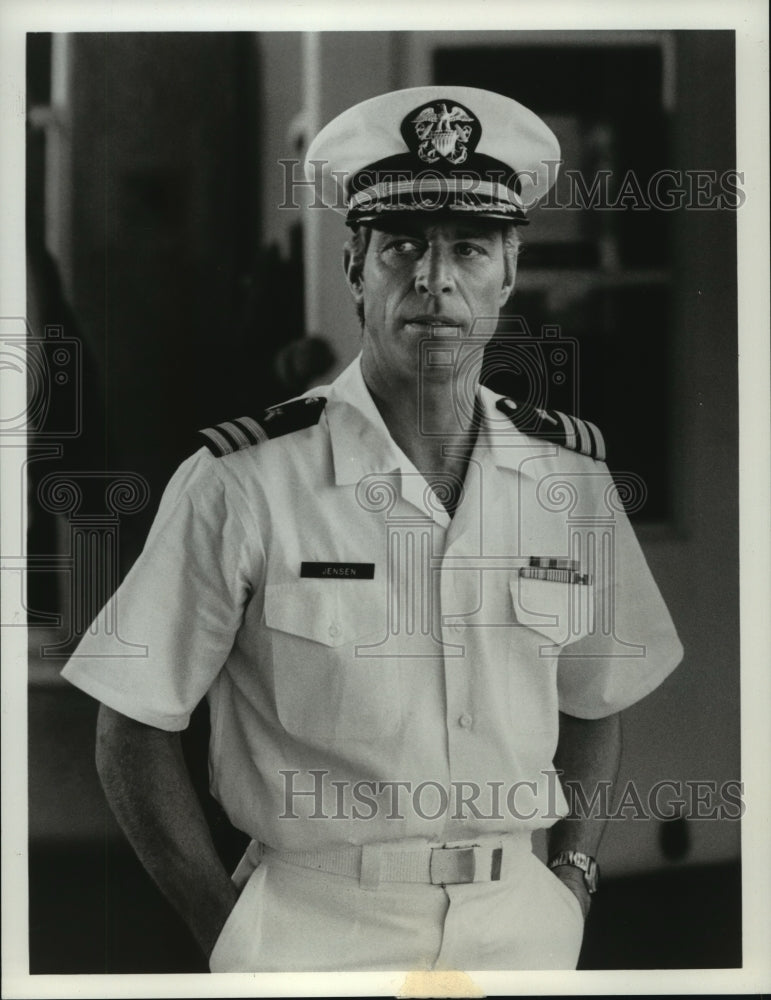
{"points": [[571, 432], [232, 435]]}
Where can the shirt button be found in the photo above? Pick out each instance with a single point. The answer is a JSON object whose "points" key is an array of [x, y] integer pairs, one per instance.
{"points": [[334, 630], [465, 720]]}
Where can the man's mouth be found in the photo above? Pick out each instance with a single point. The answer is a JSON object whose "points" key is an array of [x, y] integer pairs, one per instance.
{"points": [[433, 322]]}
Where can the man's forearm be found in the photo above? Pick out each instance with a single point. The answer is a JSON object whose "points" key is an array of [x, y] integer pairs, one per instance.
{"points": [[588, 755], [148, 786]]}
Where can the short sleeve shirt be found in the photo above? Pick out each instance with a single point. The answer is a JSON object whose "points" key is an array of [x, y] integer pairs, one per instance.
{"points": [[375, 669]]}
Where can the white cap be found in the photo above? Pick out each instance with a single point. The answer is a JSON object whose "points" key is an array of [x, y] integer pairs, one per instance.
{"points": [[457, 149]]}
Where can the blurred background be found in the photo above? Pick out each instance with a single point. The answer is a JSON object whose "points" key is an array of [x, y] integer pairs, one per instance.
{"points": [[172, 285]]}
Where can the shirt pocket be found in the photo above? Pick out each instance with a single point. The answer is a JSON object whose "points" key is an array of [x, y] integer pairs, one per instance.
{"points": [[562, 612], [328, 686]]}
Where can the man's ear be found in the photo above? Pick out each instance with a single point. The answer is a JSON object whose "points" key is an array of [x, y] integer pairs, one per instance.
{"points": [[352, 275]]}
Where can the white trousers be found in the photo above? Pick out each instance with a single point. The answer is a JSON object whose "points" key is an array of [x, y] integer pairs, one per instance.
{"points": [[292, 919]]}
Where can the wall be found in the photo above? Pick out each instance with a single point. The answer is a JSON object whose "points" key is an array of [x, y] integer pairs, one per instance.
{"points": [[309, 80], [689, 729]]}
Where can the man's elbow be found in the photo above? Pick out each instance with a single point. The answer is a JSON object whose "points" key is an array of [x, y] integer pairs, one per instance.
{"points": [[123, 744]]}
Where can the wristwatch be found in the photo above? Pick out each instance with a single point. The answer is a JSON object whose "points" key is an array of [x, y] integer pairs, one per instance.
{"points": [[588, 866]]}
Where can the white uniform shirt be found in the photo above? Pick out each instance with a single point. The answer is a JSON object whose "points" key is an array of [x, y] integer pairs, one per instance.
{"points": [[444, 671]]}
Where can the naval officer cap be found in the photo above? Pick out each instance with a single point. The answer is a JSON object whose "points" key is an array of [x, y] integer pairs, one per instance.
{"points": [[456, 149]]}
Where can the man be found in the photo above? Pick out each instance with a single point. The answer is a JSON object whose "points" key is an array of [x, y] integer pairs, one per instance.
{"points": [[403, 629]]}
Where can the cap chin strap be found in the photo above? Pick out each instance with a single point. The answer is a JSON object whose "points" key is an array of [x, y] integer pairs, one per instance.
{"points": [[484, 198]]}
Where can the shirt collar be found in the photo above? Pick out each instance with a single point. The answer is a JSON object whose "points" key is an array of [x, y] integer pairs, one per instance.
{"points": [[362, 445]]}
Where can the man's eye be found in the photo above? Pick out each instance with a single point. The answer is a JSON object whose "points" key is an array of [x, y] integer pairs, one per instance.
{"points": [[468, 250], [404, 246]]}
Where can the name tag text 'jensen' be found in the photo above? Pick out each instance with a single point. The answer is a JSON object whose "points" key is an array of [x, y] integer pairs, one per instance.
{"points": [[351, 571]]}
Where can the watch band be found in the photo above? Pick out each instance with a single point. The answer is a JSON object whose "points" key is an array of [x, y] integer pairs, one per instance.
{"points": [[584, 862]]}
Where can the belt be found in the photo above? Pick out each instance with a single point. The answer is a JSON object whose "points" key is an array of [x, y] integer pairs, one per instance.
{"points": [[372, 864]]}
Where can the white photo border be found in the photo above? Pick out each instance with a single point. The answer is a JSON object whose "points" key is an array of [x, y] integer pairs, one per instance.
{"points": [[748, 18]]}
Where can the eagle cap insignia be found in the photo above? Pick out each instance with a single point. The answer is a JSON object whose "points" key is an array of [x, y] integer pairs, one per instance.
{"points": [[441, 129]]}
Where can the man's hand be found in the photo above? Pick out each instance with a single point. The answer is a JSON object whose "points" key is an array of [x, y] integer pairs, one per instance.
{"points": [[148, 787], [574, 879]]}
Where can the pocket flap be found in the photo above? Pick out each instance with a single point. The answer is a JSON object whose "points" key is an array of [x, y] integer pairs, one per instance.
{"points": [[563, 612], [332, 612]]}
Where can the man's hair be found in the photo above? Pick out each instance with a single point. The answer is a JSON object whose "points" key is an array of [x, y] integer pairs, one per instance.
{"points": [[358, 242]]}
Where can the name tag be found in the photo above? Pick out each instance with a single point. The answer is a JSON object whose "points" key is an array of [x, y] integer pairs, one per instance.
{"points": [[346, 571]]}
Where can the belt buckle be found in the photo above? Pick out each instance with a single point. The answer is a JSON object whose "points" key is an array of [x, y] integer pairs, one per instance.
{"points": [[452, 865], [461, 865]]}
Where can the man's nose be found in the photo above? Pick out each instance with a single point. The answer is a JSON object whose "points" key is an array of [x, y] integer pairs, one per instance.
{"points": [[435, 274]]}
